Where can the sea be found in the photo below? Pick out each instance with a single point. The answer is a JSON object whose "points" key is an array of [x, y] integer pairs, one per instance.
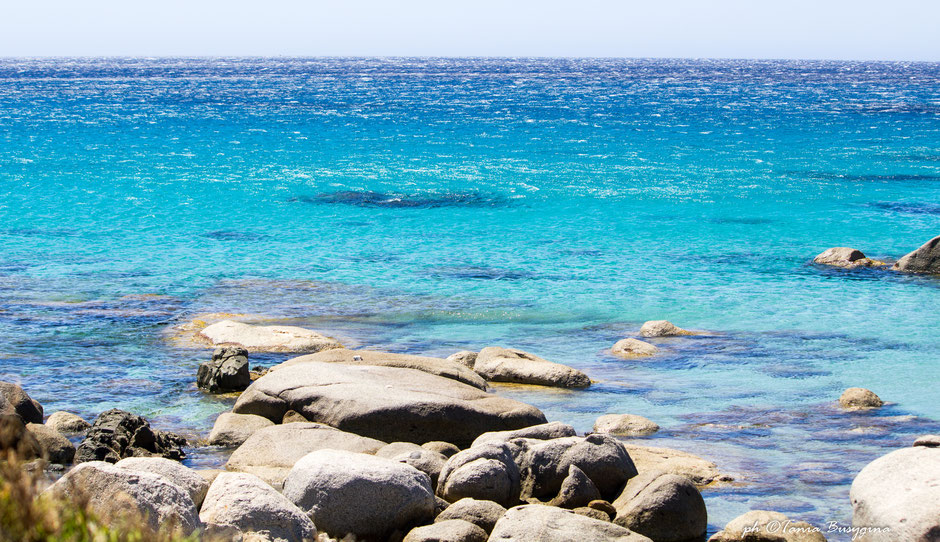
{"points": [[430, 205]]}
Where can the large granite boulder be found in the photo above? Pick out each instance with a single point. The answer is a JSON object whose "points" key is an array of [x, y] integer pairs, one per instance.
{"points": [[367, 496], [435, 366], [271, 452], [232, 429], [174, 471], [540, 523], [485, 472], [266, 338], [481, 513], [226, 371], [633, 348], [510, 365], [925, 259], [764, 526], [55, 447], [67, 423], [664, 507], [625, 425], [117, 434], [859, 398], [13, 400], [545, 464], [244, 502], [452, 530], [385, 403], [15, 438], [899, 492], [698, 469], [114, 494], [662, 328], [426, 461], [543, 431]]}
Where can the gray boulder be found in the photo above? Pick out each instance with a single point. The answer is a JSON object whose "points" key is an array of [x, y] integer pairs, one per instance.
{"points": [[188, 479], [545, 464], [226, 371], [270, 453], [66, 422], [265, 338], [633, 348], [625, 425], [664, 507], [925, 259], [486, 472], [114, 494], [426, 461], [662, 328], [544, 431], [577, 490], [464, 357], [698, 469], [842, 257], [452, 530], [13, 400], [435, 366], [244, 502], [117, 434], [232, 429], [385, 403], [540, 523], [444, 448], [367, 496], [481, 513], [859, 398], [764, 526], [55, 447], [510, 365], [899, 492]]}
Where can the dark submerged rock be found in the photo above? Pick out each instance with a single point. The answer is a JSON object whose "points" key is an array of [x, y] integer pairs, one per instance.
{"points": [[227, 371], [117, 434]]}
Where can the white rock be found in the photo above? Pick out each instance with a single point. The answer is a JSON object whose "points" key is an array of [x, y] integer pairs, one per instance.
{"points": [[66, 422], [629, 425], [511, 365], [540, 523], [662, 328], [266, 338], [244, 502], [174, 471]]}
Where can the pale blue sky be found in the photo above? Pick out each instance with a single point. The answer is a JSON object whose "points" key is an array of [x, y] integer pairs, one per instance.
{"points": [[834, 29]]}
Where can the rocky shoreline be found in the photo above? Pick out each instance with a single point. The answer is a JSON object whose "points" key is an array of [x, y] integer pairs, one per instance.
{"points": [[364, 445]]}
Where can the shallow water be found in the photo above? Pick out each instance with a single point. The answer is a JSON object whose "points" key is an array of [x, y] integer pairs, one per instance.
{"points": [[428, 206]]}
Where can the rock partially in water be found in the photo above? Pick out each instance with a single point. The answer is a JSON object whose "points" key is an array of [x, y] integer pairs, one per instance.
{"points": [[664, 507], [511, 365], [385, 403], [901, 492], [633, 348], [244, 502], [629, 425], [481, 513], [464, 357], [540, 523], [435, 366], [662, 328], [842, 257], [13, 400], [117, 434], [174, 471], [765, 526], [55, 447], [66, 422], [367, 496], [698, 469], [452, 530], [485, 472], [114, 494], [226, 372], [232, 429], [925, 259], [859, 398], [928, 441], [544, 431], [266, 338]]}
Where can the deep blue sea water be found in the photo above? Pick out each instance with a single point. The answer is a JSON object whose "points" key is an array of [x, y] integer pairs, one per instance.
{"points": [[427, 206]]}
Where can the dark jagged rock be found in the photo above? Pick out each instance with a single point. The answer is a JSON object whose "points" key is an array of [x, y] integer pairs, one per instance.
{"points": [[117, 434], [227, 371], [13, 400]]}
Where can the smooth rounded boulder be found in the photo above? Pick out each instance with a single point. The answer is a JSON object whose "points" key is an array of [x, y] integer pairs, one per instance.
{"points": [[426, 461], [67, 423], [859, 398], [511, 365], [925, 259], [662, 328], [55, 447], [540, 523], [265, 338], [244, 502], [625, 425], [841, 257], [452, 530], [385, 403], [367, 496], [13, 400], [698, 469], [114, 494], [174, 471], [577, 490], [271, 452], [232, 429], [765, 526], [481, 513], [466, 358], [901, 493], [633, 348], [543, 431], [664, 507], [485, 472]]}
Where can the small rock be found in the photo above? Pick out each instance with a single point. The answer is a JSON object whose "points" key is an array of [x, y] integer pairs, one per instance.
{"points": [[929, 441], [633, 348], [367, 496], [841, 257], [481, 513], [485, 472], [426, 461], [764, 526], [925, 259], [232, 429], [55, 447], [540, 523], [266, 338], [543, 431], [664, 507], [14, 437], [577, 490], [188, 479], [13, 400], [629, 425], [117, 434], [591, 513], [452, 530], [857, 398], [244, 502], [604, 507], [444, 448], [66, 422], [226, 372], [292, 416], [511, 365], [464, 357], [662, 328]]}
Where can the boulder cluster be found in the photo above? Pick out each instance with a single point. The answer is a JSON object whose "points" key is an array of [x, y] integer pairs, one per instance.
{"points": [[925, 259]]}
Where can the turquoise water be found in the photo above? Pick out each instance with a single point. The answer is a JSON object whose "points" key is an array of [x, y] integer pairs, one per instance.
{"points": [[428, 206]]}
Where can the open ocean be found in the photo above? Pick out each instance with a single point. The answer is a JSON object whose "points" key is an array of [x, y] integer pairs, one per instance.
{"points": [[433, 205]]}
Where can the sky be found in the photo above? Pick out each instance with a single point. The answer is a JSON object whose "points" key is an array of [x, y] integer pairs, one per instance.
{"points": [[817, 29]]}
